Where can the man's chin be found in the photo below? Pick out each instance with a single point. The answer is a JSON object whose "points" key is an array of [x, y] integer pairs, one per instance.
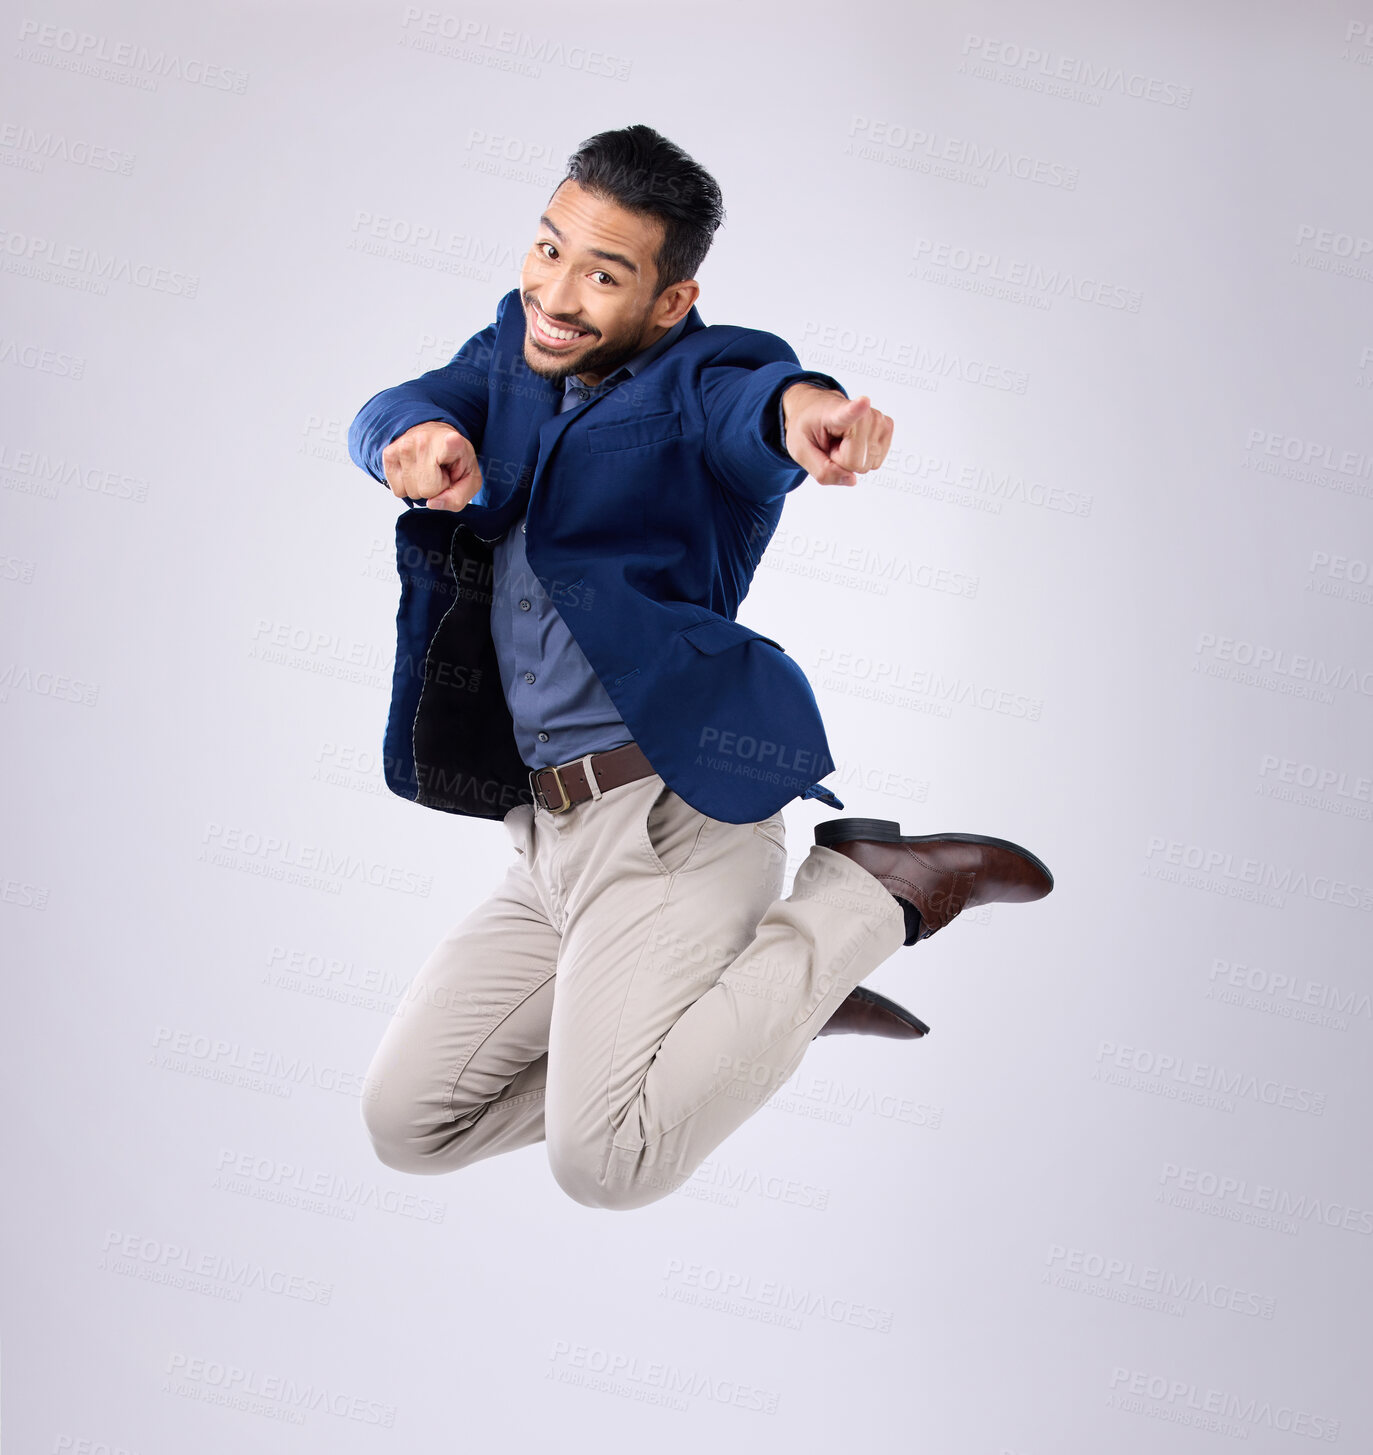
{"points": [[548, 366]]}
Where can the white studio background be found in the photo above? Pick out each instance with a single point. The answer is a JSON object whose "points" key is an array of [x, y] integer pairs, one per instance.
{"points": [[1110, 268]]}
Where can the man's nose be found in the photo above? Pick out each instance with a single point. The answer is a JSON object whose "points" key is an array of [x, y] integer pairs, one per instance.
{"points": [[558, 298]]}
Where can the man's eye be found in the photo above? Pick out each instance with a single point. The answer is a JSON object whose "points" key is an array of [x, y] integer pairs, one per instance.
{"points": [[606, 276], [545, 245]]}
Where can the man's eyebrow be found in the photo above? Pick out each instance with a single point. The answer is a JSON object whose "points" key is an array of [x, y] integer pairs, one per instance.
{"points": [[595, 252]]}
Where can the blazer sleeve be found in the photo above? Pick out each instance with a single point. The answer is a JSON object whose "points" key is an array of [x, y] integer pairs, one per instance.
{"points": [[456, 394], [740, 401]]}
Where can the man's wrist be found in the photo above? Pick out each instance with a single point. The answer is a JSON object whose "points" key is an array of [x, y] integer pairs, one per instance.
{"points": [[775, 415], [804, 387]]}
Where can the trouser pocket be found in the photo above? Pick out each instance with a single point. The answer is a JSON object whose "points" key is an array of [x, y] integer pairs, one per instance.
{"points": [[518, 824], [773, 830], [672, 831]]}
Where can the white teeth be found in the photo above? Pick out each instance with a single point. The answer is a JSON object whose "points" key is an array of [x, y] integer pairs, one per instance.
{"points": [[550, 330]]}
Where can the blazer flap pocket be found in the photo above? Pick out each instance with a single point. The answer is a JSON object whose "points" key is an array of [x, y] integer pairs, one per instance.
{"points": [[719, 633], [626, 434]]}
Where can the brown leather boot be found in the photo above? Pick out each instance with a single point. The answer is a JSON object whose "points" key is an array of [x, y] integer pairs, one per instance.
{"points": [[865, 1013], [937, 876]]}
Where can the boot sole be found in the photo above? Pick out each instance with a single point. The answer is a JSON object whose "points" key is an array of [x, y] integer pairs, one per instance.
{"points": [[891, 1007], [885, 831]]}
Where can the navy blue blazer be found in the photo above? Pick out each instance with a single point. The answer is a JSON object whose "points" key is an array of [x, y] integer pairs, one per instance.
{"points": [[649, 507]]}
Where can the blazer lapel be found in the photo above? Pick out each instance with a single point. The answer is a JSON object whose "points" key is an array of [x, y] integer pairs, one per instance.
{"points": [[531, 402], [550, 431], [538, 403]]}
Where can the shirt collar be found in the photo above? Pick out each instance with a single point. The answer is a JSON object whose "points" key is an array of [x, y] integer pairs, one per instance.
{"points": [[631, 366]]}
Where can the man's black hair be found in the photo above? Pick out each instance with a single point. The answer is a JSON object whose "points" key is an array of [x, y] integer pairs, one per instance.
{"points": [[642, 171]]}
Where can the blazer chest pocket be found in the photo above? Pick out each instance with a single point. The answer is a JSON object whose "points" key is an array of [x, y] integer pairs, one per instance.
{"points": [[720, 633], [629, 434]]}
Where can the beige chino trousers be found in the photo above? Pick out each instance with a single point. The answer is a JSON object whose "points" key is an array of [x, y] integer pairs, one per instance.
{"points": [[632, 992]]}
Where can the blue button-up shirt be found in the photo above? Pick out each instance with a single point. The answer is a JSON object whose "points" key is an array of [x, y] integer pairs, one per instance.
{"points": [[560, 709]]}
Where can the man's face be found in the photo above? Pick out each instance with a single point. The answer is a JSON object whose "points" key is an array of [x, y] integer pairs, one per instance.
{"points": [[591, 274]]}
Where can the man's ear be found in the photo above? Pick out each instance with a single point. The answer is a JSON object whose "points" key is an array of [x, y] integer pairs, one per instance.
{"points": [[675, 302]]}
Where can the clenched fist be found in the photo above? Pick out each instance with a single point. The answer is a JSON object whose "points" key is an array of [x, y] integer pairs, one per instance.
{"points": [[432, 462]]}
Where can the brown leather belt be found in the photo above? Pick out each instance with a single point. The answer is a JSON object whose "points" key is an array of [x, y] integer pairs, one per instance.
{"points": [[586, 778]]}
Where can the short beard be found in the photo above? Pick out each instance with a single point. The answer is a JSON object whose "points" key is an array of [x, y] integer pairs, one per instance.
{"points": [[603, 358]]}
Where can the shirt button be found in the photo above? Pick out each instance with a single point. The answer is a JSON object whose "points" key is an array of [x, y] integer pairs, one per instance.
{"points": [[543, 737], [524, 603], [522, 528], [528, 676]]}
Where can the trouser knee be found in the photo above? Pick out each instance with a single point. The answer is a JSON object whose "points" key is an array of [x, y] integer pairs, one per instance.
{"points": [[397, 1141], [623, 1181], [388, 1130]]}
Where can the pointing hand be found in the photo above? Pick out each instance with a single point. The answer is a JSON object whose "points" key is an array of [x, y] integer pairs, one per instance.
{"points": [[432, 462], [833, 438]]}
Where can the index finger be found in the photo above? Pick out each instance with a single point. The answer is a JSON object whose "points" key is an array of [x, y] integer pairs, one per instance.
{"points": [[859, 447]]}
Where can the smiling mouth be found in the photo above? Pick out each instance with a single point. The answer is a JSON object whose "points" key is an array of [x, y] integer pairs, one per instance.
{"points": [[550, 334]]}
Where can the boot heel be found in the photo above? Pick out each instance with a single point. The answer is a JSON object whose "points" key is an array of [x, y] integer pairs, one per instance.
{"points": [[841, 830]]}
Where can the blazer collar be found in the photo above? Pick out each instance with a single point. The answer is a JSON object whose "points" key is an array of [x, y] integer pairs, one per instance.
{"points": [[539, 400]]}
